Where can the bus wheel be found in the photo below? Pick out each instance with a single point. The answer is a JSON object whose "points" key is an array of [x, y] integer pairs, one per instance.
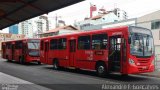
{"points": [[22, 61], [39, 63], [101, 69], [55, 64], [7, 59], [124, 75], [77, 69]]}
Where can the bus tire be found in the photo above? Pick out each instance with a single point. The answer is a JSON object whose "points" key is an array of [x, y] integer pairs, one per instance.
{"points": [[77, 69], [101, 69], [124, 75], [22, 61], [7, 59], [55, 64], [39, 63]]}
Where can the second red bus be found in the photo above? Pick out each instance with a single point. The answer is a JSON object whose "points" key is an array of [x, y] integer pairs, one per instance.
{"points": [[23, 51]]}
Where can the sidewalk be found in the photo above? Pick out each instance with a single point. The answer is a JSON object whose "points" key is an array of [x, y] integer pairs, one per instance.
{"points": [[8, 82], [153, 74]]}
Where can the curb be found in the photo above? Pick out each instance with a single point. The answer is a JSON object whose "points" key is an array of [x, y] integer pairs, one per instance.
{"points": [[154, 74]]}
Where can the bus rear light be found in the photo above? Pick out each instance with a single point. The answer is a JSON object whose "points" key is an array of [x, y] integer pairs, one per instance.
{"points": [[131, 62]]}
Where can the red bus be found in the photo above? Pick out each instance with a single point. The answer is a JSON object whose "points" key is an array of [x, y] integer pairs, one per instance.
{"points": [[23, 51], [126, 50]]}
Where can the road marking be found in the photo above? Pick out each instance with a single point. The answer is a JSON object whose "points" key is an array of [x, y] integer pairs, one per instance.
{"points": [[8, 81]]}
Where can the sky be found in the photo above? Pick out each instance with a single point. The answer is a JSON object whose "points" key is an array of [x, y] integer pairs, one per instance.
{"points": [[134, 8], [77, 12]]}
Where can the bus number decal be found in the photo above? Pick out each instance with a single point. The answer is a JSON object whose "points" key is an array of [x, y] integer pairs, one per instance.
{"points": [[89, 55], [117, 33]]}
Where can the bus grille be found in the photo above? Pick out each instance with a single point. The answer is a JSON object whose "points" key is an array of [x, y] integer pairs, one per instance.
{"points": [[142, 69], [143, 62]]}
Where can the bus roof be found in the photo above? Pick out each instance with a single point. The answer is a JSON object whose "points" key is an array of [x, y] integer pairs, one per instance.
{"points": [[91, 31], [22, 39]]}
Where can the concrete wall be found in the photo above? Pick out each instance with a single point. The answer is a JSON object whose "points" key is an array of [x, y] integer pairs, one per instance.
{"points": [[157, 57], [145, 21]]}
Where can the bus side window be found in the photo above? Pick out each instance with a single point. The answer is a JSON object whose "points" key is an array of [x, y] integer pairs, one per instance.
{"points": [[3, 46], [99, 41], [84, 42], [18, 45], [62, 43], [42, 45], [9, 46], [53, 44], [6, 46]]}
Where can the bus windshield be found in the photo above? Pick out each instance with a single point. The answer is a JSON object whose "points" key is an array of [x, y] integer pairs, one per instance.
{"points": [[33, 44], [141, 43], [33, 47]]}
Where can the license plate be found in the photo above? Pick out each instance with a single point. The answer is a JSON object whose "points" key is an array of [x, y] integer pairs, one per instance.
{"points": [[145, 67]]}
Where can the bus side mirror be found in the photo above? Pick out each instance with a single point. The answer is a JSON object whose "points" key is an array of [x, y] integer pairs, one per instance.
{"points": [[129, 40]]}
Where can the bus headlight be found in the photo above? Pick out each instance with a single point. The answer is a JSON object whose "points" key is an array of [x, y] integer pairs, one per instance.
{"points": [[131, 62]]}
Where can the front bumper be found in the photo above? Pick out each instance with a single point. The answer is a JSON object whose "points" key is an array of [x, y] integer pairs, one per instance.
{"points": [[133, 69]]}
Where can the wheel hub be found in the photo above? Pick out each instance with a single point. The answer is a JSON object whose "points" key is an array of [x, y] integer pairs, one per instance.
{"points": [[100, 69]]}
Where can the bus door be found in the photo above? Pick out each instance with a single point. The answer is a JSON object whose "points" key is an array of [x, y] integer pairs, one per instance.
{"points": [[24, 49], [116, 53], [72, 46], [13, 48], [4, 50], [46, 50]]}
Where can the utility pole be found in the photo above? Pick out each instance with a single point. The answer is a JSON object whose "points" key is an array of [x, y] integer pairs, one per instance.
{"points": [[56, 20]]}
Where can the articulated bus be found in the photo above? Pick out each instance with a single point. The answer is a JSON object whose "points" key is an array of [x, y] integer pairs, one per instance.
{"points": [[126, 50], [23, 51]]}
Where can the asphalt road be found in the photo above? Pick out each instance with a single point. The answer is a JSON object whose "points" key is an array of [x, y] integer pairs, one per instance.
{"points": [[67, 79]]}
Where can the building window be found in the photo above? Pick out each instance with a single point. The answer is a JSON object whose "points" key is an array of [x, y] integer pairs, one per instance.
{"points": [[118, 15], [155, 25], [99, 41], [84, 42]]}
